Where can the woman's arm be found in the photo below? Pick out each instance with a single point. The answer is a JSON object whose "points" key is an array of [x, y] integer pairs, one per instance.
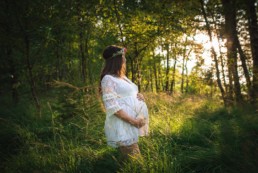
{"points": [[125, 117]]}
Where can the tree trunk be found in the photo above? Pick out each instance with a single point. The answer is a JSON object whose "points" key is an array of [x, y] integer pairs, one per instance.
{"points": [[138, 62], [222, 68], [14, 76], [172, 86], [220, 57], [138, 72], [173, 77], [213, 52], [160, 81], [151, 80], [230, 30], [83, 59], [9, 55], [244, 66], [186, 75], [155, 71], [88, 71], [183, 75], [30, 75], [253, 31], [118, 21], [156, 76], [136, 69], [130, 66], [167, 69], [81, 33], [23, 26], [183, 69], [58, 62], [186, 70]]}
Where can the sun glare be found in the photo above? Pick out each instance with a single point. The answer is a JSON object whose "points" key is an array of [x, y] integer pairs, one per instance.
{"points": [[204, 40]]}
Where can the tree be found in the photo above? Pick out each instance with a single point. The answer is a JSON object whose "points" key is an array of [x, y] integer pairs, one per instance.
{"points": [[253, 31], [229, 7], [213, 51]]}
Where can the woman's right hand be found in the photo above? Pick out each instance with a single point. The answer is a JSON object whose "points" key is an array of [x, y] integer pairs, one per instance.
{"points": [[139, 122]]}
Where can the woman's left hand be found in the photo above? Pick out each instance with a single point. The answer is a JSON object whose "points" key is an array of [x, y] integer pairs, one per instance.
{"points": [[140, 97]]}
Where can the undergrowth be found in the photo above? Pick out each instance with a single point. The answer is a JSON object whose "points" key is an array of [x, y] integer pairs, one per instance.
{"points": [[188, 134]]}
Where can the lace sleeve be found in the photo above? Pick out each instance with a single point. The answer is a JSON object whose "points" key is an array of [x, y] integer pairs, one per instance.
{"points": [[109, 95]]}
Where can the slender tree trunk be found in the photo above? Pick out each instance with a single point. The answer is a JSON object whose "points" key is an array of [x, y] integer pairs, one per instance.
{"points": [[151, 80], [172, 90], [155, 71], [23, 26], [222, 68], [9, 54], [156, 76], [87, 64], [81, 37], [230, 87], [30, 75], [253, 31], [83, 59], [244, 66], [186, 70], [183, 75], [160, 77], [14, 76], [138, 61], [137, 66], [118, 21], [61, 66], [167, 69], [221, 56], [213, 52], [183, 69], [132, 67], [230, 29], [58, 61], [138, 70], [69, 66], [148, 81], [172, 87], [186, 75]]}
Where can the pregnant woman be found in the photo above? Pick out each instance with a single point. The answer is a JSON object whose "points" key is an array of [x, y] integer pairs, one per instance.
{"points": [[126, 112]]}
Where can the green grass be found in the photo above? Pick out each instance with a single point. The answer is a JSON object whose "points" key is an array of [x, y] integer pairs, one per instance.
{"points": [[188, 134]]}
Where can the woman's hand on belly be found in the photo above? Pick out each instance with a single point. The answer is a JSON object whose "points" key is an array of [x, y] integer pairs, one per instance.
{"points": [[139, 122], [140, 97]]}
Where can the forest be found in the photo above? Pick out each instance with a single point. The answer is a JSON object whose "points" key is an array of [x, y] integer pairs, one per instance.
{"points": [[195, 62]]}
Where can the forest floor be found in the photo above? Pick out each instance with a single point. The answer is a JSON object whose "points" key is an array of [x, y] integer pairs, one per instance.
{"points": [[188, 134]]}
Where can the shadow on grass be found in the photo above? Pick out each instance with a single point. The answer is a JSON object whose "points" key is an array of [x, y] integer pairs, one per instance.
{"points": [[107, 162], [219, 140]]}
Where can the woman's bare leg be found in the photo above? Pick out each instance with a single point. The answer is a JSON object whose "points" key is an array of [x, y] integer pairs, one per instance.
{"points": [[131, 151]]}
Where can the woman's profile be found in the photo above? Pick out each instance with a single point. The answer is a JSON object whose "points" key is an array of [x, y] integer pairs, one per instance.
{"points": [[126, 112]]}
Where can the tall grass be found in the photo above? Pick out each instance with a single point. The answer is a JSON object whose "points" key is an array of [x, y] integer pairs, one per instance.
{"points": [[187, 134]]}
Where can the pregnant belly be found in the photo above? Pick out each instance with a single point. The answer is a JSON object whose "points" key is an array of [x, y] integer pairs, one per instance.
{"points": [[133, 106]]}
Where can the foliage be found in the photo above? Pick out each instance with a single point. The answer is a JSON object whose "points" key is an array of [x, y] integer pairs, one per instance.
{"points": [[188, 134], [47, 129]]}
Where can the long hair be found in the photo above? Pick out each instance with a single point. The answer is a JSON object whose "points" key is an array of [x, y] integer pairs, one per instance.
{"points": [[114, 65]]}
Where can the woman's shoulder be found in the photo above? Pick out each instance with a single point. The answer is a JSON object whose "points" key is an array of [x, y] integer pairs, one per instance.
{"points": [[108, 77]]}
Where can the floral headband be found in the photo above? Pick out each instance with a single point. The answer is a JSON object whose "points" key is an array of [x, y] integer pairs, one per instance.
{"points": [[120, 52]]}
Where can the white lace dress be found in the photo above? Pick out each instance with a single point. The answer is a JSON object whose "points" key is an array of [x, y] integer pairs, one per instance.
{"points": [[117, 94]]}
